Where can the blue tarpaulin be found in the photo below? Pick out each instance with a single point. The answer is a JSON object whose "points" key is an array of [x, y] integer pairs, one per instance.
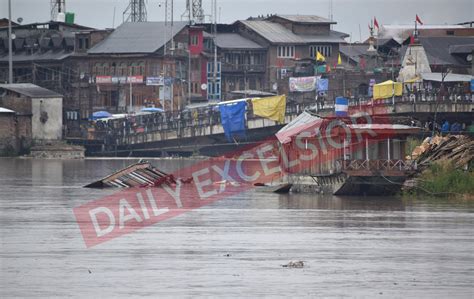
{"points": [[233, 119], [152, 109], [472, 85], [323, 84], [100, 114]]}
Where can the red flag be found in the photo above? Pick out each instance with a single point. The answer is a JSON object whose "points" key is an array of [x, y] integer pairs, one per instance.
{"points": [[376, 24], [419, 20]]}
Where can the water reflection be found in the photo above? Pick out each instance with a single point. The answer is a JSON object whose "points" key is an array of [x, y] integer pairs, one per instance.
{"points": [[352, 246]]}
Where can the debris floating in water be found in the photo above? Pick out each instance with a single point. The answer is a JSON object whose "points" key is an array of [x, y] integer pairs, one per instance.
{"points": [[294, 264], [141, 174]]}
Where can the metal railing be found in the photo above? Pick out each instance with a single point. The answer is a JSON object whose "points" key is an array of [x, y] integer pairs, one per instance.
{"points": [[378, 165]]}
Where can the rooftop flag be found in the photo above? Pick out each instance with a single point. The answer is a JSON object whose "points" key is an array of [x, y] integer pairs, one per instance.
{"points": [[320, 57], [376, 24], [419, 20]]}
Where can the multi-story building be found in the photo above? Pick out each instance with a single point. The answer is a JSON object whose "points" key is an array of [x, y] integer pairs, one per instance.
{"points": [[51, 55], [140, 64], [289, 39]]}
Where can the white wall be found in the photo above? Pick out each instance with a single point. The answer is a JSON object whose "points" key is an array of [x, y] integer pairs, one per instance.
{"points": [[52, 108]]}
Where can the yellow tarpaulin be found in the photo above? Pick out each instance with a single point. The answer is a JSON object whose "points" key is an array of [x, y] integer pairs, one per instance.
{"points": [[271, 107], [387, 89]]}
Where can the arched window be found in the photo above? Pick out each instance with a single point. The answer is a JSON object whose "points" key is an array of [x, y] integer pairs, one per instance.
{"points": [[123, 69], [141, 68]]}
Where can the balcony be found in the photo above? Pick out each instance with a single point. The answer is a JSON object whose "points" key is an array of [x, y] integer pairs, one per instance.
{"points": [[242, 68]]}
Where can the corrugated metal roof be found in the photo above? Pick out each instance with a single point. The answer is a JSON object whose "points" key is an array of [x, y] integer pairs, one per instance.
{"points": [[37, 56], [354, 51], [140, 37], [438, 77], [305, 19], [235, 41], [278, 34], [305, 122], [461, 49], [31, 90], [437, 49]]}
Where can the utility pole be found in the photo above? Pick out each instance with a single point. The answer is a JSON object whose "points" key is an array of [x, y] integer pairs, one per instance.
{"points": [[215, 48], [131, 91], [10, 47]]}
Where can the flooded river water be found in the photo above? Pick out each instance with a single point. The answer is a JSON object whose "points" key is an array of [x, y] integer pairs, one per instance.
{"points": [[351, 247]]}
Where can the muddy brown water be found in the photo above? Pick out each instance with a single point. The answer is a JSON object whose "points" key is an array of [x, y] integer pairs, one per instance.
{"points": [[351, 247]]}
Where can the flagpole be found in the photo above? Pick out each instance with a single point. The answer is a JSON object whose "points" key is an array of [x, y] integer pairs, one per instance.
{"points": [[416, 30], [377, 43]]}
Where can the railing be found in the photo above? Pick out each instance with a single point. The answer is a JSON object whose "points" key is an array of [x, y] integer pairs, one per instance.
{"points": [[249, 68], [209, 116], [378, 165]]}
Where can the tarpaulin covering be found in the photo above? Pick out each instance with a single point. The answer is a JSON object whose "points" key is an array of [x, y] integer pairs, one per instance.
{"points": [[387, 89], [100, 114], [233, 119], [303, 84], [323, 84], [271, 107]]}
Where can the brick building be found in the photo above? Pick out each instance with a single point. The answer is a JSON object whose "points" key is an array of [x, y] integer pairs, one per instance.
{"points": [[289, 39], [35, 115]]}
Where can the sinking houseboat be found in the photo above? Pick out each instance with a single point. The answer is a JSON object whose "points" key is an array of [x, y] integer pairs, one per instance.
{"points": [[346, 156], [139, 174]]}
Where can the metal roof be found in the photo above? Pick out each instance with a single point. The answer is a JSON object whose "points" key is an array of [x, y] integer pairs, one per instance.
{"points": [[420, 27], [305, 19], [437, 49], [31, 90], [235, 41], [37, 56], [279, 34], [449, 77], [5, 110], [461, 49], [137, 37], [305, 122], [354, 51]]}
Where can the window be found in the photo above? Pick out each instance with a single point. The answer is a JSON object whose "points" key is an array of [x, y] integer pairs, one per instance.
{"points": [[194, 40], [123, 69], [286, 51], [252, 83], [101, 69], [141, 68], [113, 69], [326, 51], [105, 69], [450, 32]]}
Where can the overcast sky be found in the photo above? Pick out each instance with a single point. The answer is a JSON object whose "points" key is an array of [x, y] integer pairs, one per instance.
{"points": [[348, 13]]}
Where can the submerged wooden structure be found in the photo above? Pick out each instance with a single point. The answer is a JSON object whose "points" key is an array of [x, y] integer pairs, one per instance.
{"points": [[349, 156], [141, 174]]}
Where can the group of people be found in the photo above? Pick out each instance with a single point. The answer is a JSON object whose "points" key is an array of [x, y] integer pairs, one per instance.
{"points": [[445, 127]]}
